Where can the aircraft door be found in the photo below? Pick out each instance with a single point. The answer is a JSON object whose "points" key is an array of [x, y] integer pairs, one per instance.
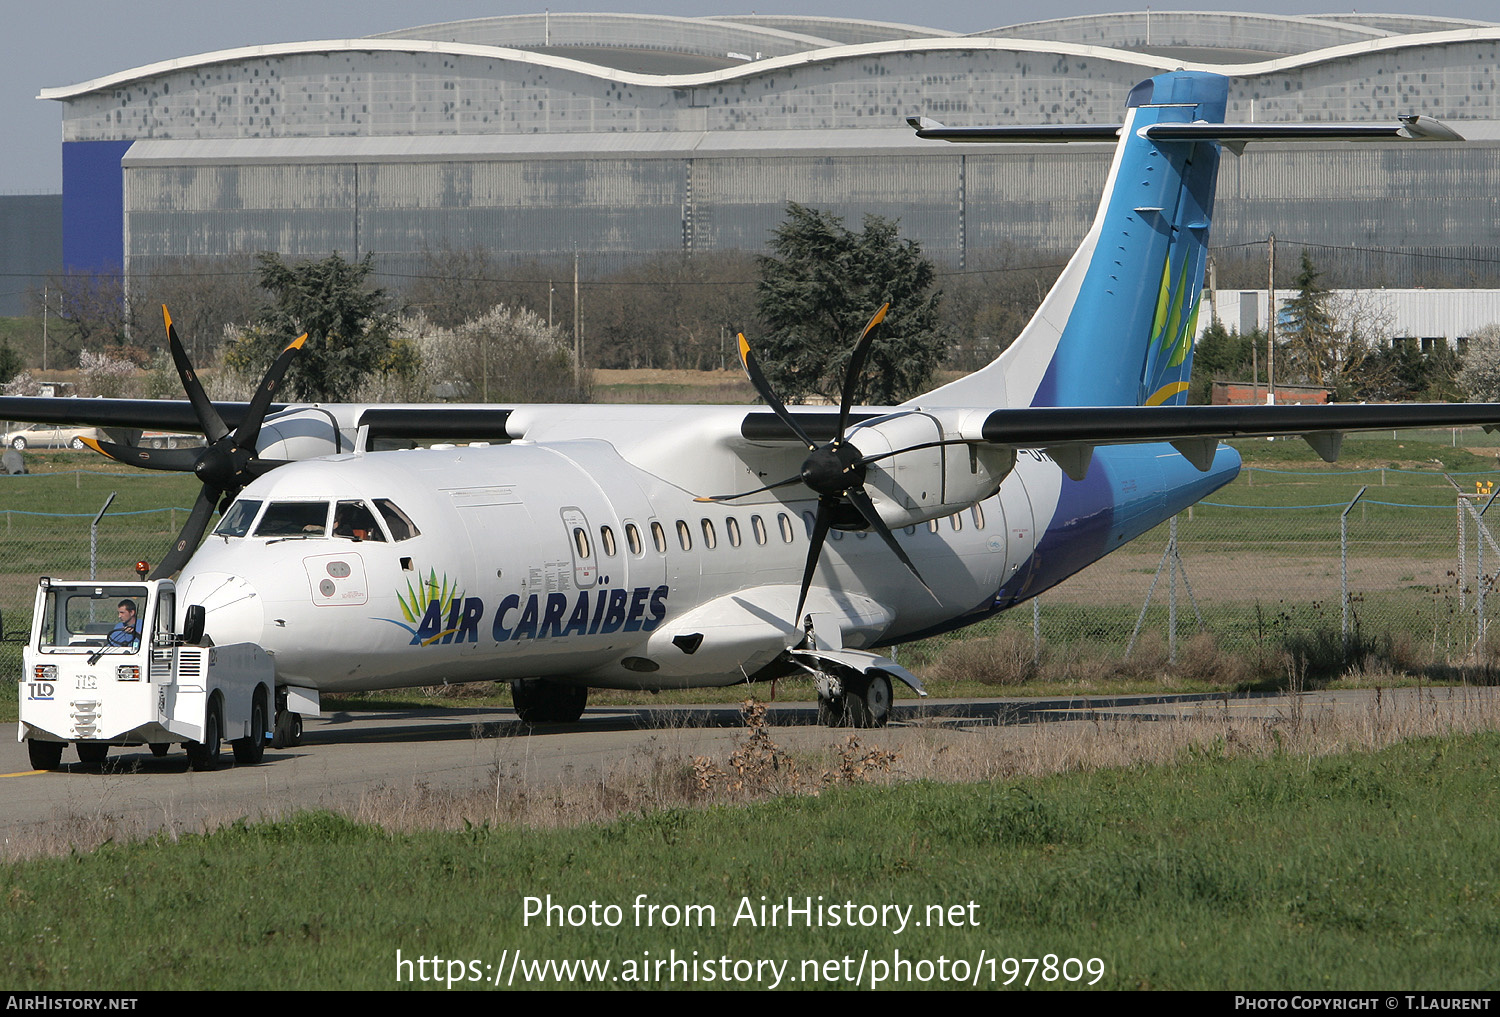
{"points": [[1020, 534], [581, 543]]}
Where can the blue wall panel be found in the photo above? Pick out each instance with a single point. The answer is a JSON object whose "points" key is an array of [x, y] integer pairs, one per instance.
{"points": [[93, 205]]}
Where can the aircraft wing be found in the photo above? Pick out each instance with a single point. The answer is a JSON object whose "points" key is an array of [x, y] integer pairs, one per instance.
{"points": [[432, 421], [1193, 430]]}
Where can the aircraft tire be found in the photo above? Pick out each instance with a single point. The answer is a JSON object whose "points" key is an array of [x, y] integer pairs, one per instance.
{"points": [[539, 701], [204, 755], [44, 755], [288, 732], [92, 753], [252, 749], [831, 711], [868, 701], [76, 444]]}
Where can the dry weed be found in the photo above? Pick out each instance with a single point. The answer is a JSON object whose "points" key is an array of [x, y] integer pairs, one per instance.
{"points": [[655, 778]]}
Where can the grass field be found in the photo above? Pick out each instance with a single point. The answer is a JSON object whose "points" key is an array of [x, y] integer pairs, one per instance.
{"points": [[1369, 870], [1264, 573]]}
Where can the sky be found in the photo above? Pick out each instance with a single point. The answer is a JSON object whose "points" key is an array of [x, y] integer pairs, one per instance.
{"points": [[63, 42]]}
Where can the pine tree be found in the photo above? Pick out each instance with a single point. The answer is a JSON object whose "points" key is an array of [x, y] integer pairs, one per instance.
{"points": [[820, 287]]}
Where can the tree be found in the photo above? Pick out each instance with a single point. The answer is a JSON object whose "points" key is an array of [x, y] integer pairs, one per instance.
{"points": [[503, 355], [1480, 377], [350, 330], [10, 362], [1307, 330], [820, 287]]}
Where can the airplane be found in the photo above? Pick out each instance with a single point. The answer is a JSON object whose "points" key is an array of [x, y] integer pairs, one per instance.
{"points": [[654, 547]]}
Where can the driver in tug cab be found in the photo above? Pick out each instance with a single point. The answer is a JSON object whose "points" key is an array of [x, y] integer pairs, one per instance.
{"points": [[128, 632]]}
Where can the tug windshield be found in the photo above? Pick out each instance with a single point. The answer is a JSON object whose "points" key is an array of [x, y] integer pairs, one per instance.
{"points": [[77, 618]]}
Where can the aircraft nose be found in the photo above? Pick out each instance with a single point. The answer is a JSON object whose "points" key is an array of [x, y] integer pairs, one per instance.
{"points": [[232, 606]]}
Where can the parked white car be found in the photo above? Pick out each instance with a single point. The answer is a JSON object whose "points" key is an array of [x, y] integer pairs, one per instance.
{"points": [[49, 436]]}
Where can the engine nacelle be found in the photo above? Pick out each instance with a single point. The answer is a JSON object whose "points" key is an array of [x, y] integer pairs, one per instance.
{"points": [[306, 432], [929, 480]]}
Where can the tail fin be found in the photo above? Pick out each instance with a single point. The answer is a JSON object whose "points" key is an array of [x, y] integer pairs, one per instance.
{"points": [[1117, 328]]}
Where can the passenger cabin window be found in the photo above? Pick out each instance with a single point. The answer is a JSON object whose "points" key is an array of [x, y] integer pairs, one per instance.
{"points": [[710, 539], [607, 540], [733, 526], [294, 519], [932, 526], [353, 520], [659, 538], [957, 521], [236, 522], [758, 525], [978, 514], [581, 543], [400, 525], [633, 538], [785, 522], [684, 535]]}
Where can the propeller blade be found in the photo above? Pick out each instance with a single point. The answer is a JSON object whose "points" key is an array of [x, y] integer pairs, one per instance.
{"points": [[763, 388], [180, 460], [249, 430], [192, 533], [213, 424], [814, 549], [759, 490], [857, 366], [867, 460], [866, 507]]}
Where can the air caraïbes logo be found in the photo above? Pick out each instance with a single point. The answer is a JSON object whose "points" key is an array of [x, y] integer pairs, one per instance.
{"points": [[438, 613]]}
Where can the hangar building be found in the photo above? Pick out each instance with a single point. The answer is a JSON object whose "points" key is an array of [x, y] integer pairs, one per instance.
{"points": [[536, 135]]}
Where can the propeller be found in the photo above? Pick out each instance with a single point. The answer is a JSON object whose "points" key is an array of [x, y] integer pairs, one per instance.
{"points": [[835, 471], [225, 465]]}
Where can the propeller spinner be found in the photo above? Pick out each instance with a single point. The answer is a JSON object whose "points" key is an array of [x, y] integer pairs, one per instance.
{"points": [[225, 465], [835, 472]]}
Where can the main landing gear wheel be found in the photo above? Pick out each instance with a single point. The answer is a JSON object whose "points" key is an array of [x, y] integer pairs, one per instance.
{"points": [[867, 701], [252, 748], [288, 734], [854, 700], [539, 701], [44, 755]]}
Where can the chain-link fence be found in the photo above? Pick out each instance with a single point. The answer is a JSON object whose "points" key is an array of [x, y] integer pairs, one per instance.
{"points": [[1333, 563], [1331, 568]]}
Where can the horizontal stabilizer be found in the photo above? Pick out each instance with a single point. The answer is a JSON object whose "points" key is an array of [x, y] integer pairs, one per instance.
{"points": [[1408, 127], [931, 130]]}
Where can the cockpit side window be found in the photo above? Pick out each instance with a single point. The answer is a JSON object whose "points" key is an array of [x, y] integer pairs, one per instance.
{"points": [[398, 522], [236, 522], [353, 520], [294, 519]]}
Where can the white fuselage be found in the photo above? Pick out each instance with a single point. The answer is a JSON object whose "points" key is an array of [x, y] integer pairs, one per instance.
{"points": [[562, 559]]}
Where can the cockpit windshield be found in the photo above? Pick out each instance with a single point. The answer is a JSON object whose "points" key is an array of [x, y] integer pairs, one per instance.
{"points": [[236, 522], [294, 519]]}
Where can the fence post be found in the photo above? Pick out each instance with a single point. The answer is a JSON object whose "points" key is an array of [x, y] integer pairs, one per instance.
{"points": [[1344, 563], [1036, 631], [94, 538]]}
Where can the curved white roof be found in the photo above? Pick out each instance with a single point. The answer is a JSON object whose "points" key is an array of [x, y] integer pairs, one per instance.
{"points": [[1149, 64]]}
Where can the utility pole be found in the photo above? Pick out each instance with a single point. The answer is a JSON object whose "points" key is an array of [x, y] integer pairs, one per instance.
{"points": [[577, 329], [1271, 327], [46, 302]]}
